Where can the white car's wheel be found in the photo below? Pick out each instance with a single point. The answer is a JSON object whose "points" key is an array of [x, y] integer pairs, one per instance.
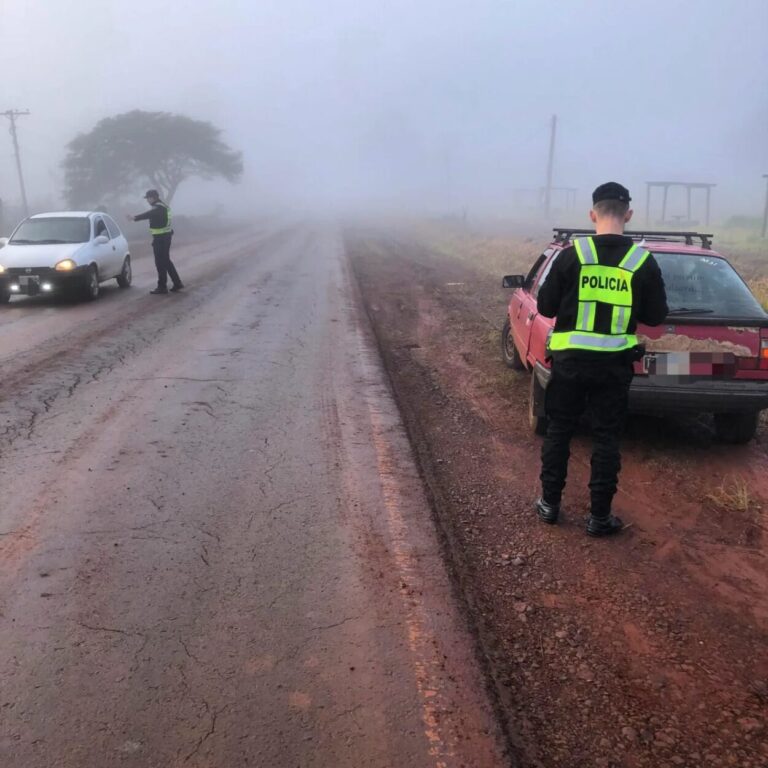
{"points": [[126, 275], [91, 284]]}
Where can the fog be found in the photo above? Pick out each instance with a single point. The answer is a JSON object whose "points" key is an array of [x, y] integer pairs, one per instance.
{"points": [[426, 106]]}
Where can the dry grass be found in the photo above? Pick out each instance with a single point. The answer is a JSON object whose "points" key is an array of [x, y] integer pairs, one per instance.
{"points": [[748, 253], [759, 287], [500, 251], [732, 495], [496, 254]]}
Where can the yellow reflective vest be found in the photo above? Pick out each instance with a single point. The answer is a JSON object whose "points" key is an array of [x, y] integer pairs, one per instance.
{"points": [[167, 228], [602, 285]]}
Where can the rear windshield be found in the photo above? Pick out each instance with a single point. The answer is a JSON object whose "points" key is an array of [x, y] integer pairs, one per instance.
{"points": [[53, 230], [706, 283]]}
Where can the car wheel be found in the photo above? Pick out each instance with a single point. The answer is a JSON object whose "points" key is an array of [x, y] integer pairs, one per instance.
{"points": [[509, 352], [125, 276], [5, 295], [91, 284], [736, 428], [537, 423]]}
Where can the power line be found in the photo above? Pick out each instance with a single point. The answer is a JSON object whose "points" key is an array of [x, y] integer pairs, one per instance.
{"points": [[12, 114]]}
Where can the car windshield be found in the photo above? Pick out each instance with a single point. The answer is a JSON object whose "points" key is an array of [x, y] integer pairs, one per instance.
{"points": [[706, 285], [53, 230]]}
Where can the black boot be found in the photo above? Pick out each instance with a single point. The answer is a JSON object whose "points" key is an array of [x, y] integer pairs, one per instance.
{"points": [[604, 526], [158, 291], [178, 287], [548, 513]]}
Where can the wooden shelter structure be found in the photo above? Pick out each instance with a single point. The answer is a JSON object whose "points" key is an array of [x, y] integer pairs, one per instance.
{"points": [[689, 186]]}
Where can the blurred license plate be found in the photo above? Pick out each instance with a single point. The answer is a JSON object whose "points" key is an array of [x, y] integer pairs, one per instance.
{"points": [[689, 364], [30, 284]]}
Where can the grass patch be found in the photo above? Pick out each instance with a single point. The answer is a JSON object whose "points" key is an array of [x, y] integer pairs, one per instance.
{"points": [[759, 287], [495, 253], [498, 251], [731, 495]]}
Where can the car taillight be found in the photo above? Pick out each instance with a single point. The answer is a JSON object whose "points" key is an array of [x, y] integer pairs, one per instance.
{"points": [[764, 354]]}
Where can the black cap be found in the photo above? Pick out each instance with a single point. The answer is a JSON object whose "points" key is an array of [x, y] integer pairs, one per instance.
{"points": [[152, 193], [611, 191]]}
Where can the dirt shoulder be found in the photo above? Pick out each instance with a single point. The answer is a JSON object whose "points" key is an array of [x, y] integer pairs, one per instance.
{"points": [[649, 650]]}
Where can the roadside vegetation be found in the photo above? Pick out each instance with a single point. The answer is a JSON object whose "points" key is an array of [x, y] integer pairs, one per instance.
{"points": [[505, 249]]}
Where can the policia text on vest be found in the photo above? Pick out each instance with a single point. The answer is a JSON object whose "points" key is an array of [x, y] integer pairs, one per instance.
{"points": [[597, 291], [606, 285], [161, 229]]}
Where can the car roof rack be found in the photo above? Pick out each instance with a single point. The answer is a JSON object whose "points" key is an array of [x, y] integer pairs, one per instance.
{"points": [[564, 234]]}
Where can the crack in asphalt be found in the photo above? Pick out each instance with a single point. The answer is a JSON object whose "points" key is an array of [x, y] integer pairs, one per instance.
{"points": [[206, 532], [322, 628], [185, 378], [274, 509], [125, 633], [125, 529], [211, 730], [187, 651], [104, 629]]}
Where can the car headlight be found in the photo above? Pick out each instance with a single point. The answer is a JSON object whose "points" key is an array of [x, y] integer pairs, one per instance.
{"points": [[2, 269], [66, 265]]}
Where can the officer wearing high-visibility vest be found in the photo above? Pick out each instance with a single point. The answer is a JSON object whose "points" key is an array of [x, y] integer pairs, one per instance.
{"points": [[598, 289], [159, 217]]}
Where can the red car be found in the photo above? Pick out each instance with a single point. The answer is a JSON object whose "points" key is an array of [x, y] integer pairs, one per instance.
{"points": [[709, 356]]}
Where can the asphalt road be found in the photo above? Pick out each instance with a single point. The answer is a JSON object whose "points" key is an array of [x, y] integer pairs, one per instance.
{"points": [[214, 545]]}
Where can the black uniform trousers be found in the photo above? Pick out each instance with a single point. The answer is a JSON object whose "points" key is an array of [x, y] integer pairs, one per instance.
{"points": [[161, 247], [602, 389]]}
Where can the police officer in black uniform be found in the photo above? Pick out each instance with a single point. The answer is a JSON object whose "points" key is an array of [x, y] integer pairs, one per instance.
{"points": [[159, 217], [598, 289]]}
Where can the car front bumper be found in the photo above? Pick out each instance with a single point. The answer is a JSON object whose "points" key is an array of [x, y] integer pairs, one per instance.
{"points": [[42, 280]]}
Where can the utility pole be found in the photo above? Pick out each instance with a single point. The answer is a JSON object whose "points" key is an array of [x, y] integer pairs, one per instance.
{"points": [[550, 163], [765, 212], [448, 166], [12, 114]]}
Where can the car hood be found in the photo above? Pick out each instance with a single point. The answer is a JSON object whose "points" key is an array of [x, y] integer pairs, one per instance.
{"points": [[16, 256]]}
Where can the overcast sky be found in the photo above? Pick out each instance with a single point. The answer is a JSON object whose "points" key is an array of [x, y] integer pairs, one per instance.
{"points": [[413, 103]]}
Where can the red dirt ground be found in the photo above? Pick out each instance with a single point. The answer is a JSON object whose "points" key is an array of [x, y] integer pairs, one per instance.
{"points": [[647, 650]]}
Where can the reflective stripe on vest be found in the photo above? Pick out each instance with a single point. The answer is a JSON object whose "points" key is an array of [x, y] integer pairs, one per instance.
{"points": [[585, 250], [600, 284], [598, 342], [620, 319], [586, 316], [167, 228]]}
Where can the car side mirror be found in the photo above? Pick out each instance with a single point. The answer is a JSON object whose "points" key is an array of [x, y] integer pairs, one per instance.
{"points": [[513, 281], [3, 242], [101, 240]]}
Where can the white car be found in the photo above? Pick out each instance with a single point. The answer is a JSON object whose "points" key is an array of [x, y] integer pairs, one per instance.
{"points": [[62, 252]]}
